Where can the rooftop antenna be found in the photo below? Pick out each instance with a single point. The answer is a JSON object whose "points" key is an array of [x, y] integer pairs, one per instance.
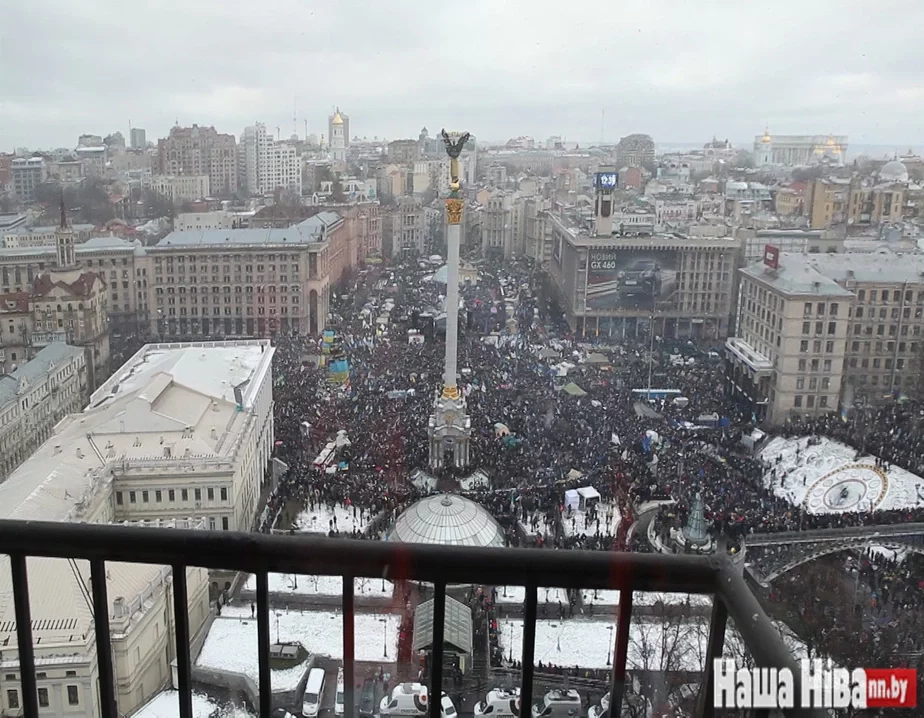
{"points": [[63, 212], [295, 116], [602, 117], [306, 130], [277, 132]]}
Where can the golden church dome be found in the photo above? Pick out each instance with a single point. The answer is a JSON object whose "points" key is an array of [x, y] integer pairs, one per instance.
{"points": [[338, 118], [766, 139]]}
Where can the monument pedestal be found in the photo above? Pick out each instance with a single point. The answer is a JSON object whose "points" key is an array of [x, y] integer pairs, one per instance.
{"points": [[450, 431]]}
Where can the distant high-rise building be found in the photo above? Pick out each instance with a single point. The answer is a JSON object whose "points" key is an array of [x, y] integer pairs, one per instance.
{"points": [[90, 141], [265, 165], [341, 120], [635, 150], [114, 143], [200, 151], [138, 138], [27, 173]]}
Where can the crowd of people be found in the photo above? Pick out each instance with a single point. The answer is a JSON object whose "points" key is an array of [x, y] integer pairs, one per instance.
{"points": [[516, 359]]}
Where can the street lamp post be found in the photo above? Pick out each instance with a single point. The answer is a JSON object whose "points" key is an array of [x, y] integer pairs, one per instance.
{"points": [[384, 622], [277, 626], [609, 647]]}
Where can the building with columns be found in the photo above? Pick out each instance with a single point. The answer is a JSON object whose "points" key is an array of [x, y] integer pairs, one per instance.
{"points": [[799, 150]]}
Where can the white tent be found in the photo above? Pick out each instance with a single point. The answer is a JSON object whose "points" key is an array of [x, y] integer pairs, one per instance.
{"points": [[501, 430], [581, 499]]}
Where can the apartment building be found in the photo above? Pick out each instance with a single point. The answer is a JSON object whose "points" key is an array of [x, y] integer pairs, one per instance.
{"points": [[787, 355], [635, 151], [181, 430], [200, 151], [875, 204], [827, 202], [885, 350], [93, 159], [182, 188], [674, 285], [404, 228], [35, 396], [63, 303], [26, 174], [25, 237], [797, 241], [246, 282], [138, 138], [266, 165], [403, 151], [121, 264], [822, 330], [497, 225]]}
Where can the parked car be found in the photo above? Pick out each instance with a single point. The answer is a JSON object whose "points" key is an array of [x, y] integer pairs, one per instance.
{"points": [[367, 698]]}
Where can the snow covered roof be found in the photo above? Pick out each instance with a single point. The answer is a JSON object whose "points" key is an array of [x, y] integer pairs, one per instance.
{"points": [[167, 405], [796, 276], [457, 626], [314, 229]]}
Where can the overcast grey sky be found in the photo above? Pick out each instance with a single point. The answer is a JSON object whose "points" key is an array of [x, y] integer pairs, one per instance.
{"points": [[680, 71]]}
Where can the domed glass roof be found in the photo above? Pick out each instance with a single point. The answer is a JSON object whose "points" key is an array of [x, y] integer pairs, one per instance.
{"points": [[447, 519], [895, 171]]}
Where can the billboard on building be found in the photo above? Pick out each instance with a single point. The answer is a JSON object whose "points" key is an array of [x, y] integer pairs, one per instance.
{"points": [[772, 256], [606, 180], [633, 279]]}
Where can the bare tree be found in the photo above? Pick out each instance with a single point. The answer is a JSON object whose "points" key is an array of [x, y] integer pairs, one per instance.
{"points": [[669, 648]]}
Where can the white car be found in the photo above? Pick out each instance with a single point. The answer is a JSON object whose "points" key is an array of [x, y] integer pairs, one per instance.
{"points": [[447, 709]]}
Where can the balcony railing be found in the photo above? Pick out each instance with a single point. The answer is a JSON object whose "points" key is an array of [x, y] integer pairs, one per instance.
{"points": [[440, 566]]}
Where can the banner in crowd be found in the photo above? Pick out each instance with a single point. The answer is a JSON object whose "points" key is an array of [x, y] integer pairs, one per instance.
{"points": [[339, 371], [326, 341]]}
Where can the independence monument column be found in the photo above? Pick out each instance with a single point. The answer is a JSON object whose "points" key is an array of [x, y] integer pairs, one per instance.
{"points": [[450, 427]]}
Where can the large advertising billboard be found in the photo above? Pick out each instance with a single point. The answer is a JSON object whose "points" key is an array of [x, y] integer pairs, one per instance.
{"points": [[633, 279]]}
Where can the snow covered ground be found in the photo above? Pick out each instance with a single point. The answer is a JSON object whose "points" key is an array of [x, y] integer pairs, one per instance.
{"points": [[646, 598], [892, 554], [828, 478], [589, 643], [319, 520], [304, 585], [167, 705], [653, 645], [576, 522], [540, 526], [232, 641], [517, 594]]}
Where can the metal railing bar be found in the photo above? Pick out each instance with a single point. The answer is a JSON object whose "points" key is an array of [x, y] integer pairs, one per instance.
{"points": [[621, 653], [263, 644], [759, 634], [349, 643], [19, 574], [528, 654], [439, 637], [714, 645], [107, 693], [255, 553], [181, 618]]}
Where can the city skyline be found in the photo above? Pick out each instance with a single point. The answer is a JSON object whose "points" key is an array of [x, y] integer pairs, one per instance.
{"points": [[726, 70]]}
